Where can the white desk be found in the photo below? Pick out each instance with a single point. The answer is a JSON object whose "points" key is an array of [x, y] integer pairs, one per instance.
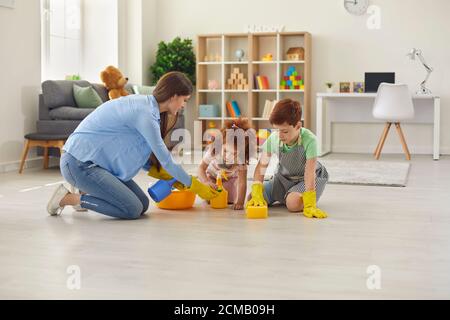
{"points": [[357, 107]]}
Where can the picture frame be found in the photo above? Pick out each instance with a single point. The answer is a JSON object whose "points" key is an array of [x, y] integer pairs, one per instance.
{"points": [[345, 87], [8, 3], [358, 87]]}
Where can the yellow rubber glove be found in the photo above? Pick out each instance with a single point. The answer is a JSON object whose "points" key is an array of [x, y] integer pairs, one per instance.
{"points": [[257, 199], [164, 175], [310, 209], [202, 190]]}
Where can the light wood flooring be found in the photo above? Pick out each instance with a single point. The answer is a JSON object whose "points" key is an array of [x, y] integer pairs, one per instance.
{"points": [[206, 254]]}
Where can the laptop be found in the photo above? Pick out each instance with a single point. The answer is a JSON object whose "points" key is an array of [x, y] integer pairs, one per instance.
{"points": [[374, 79]]}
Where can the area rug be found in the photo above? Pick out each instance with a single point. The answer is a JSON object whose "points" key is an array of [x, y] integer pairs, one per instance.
{"points": [[369, 173]]}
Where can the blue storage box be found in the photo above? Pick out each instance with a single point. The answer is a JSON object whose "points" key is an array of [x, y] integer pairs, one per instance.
{"points": [[209, 111]]}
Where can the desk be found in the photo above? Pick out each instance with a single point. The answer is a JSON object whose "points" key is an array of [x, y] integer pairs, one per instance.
{"points": [[357, 107]]}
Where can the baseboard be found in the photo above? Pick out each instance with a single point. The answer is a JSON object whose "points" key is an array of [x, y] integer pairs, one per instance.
{"points": [[29, 164]]}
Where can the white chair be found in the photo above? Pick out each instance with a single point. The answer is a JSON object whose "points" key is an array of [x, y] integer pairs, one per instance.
{"points": [[393, 104]]}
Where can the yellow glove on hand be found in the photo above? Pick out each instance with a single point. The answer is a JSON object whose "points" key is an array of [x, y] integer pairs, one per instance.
{"points": [[202, 190], [310, 209], [257, 199], [164, 175]]}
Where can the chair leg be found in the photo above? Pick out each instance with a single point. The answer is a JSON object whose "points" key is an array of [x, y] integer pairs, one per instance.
{"points": [[46, 158], [383, 140], [379, 142], [24, 155], [403, 141]]}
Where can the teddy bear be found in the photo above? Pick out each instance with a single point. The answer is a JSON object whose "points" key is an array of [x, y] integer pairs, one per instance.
{"points": [[115, 82]]}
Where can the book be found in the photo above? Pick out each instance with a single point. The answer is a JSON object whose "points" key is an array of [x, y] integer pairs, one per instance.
{"points": [[255, 82], [265, 82], [231, 110], [236, 109], [268, 108], [260, 83]]}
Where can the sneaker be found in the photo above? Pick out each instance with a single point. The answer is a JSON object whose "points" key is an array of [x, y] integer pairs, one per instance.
{"points": [[78, 208], [53, 207]]}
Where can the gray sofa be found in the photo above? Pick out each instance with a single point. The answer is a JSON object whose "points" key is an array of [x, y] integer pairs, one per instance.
{"points": [[58, 112]]}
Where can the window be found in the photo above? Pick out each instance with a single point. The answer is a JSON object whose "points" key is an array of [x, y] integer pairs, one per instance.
{"points": [[61, 38], [79, 37]]}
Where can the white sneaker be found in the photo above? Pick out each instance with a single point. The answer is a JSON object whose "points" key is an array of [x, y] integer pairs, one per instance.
{"points": [[78, 208], [53, 207]]}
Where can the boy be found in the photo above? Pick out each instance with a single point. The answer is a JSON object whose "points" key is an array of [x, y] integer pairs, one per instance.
{"points": [[300, 179]]}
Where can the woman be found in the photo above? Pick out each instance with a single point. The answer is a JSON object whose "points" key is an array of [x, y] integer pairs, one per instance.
{"points": [[114, 142]]}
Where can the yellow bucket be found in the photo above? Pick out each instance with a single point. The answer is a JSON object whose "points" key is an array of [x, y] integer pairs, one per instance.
{"points": [[178, 200]]}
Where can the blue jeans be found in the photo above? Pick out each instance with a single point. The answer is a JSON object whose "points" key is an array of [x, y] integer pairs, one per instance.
{"points": [[105, 193]]}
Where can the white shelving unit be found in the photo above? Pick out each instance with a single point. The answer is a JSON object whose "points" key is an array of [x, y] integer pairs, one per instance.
{"points": [[251, 101]]}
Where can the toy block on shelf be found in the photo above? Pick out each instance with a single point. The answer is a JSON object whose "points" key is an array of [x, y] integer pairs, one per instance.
{"points": [[237, 80], [291, 80]]}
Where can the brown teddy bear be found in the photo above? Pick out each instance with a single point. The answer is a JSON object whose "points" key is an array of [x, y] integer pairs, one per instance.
{"points": [[115, 82]]}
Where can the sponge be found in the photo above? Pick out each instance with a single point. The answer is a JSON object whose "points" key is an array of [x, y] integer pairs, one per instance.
{"points": [[257, 212]]}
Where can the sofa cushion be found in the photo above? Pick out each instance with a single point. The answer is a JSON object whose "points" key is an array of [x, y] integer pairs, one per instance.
{"points": [[101, 90], [69, 113], [60, 92], [144, 90], [86, 98]]}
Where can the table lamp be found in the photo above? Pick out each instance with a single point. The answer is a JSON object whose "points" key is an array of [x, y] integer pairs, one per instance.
{"points": [[418, 53]]}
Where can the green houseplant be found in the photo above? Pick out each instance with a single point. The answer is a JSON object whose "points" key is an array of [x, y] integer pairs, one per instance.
{"points": [[177, 55]]}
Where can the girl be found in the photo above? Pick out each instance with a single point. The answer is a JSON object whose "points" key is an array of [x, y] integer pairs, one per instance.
{"points": [[300, 179], [114, 142], [230, 160]]}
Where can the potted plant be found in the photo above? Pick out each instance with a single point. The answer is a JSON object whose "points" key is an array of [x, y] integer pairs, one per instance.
{"points": [[329, 86], [177, 55]]}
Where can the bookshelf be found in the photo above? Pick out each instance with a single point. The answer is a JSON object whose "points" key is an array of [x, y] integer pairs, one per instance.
{"points": [[216, 60]]}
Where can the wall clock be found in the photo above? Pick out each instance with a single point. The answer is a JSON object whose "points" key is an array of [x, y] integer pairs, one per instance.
{"points": [[357, 7]]}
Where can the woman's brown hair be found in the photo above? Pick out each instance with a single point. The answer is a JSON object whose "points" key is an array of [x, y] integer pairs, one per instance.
{"points": [[171, 84], [286, 111]]}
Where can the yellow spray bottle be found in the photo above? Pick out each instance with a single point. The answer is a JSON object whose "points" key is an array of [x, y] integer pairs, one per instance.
{"points": [[221, 201]]}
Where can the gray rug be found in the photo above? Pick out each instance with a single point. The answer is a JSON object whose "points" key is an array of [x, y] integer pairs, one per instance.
{"points": [[369, 173]]}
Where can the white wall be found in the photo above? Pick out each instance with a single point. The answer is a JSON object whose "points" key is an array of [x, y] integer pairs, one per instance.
{"points": [[343, 48], [137, 38], [99, 37], [150, 13], [20, 65]]}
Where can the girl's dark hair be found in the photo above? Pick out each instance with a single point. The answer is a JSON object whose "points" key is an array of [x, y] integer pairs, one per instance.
{"points": [[238, 124], [286, 111], [171, 84]]}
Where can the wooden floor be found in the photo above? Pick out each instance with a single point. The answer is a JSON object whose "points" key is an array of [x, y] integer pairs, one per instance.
{"points": [[204, 254]]}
